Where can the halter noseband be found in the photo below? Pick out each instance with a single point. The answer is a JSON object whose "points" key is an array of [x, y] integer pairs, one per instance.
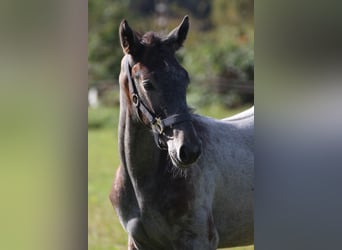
{"points": [[157, 124]]}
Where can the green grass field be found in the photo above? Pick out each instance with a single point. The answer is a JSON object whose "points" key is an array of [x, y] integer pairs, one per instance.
{"points": [[104, 229]]}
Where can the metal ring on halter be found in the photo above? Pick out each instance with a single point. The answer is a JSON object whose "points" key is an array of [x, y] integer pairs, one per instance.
{"points": [[135, 99], [158, 126]]}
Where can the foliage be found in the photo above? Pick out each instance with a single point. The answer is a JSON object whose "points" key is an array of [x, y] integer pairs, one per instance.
{"points": [[102, 117], [218, 53], [232, 11], [218, 69], [110, 98], [104, 52], [217, 58]]}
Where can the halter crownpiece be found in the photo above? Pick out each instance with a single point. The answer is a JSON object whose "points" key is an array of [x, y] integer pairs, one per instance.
{"points": [[157, 124]]}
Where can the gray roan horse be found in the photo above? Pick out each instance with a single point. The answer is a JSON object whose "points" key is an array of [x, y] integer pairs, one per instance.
{"points": [[185, 180]]}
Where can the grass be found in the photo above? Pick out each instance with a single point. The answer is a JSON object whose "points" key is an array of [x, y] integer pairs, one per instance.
{"points": [[104, 229]]}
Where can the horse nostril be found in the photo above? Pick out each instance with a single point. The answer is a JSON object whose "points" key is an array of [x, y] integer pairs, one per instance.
{"points": [[183, 153], [188, 154]]}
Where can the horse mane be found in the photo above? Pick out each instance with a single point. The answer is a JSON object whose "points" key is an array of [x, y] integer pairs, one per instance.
{"points": [[151, 39]]}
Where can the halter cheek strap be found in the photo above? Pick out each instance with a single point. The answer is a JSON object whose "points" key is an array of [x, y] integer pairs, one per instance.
{"points": [[157, 124]]}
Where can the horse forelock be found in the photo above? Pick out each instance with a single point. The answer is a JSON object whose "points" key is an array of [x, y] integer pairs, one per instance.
{"points": [[151, 39], [159, 56]]}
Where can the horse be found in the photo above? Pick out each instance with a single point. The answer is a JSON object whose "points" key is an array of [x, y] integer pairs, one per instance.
{"points": [[185, 181]]}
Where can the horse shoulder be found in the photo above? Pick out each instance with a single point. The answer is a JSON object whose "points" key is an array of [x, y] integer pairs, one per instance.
{"points": [[117, 188], [123, 198]]}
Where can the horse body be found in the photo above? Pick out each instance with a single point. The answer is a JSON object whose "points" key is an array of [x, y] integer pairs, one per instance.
{"points": [[177, 198], [211, 204], [227, 166]]}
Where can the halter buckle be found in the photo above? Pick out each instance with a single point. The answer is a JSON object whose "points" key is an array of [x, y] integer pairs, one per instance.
{"points": [[158, 125]]}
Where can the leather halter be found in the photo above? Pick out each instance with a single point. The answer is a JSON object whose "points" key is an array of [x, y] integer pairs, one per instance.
{"points": [[156, 123]]}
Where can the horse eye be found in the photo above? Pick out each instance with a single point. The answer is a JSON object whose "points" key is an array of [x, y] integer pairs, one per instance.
{"points": [[148, 85]]}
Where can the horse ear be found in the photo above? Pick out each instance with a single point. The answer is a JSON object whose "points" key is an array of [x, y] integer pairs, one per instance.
{"points": [[129, 39], [177, 36]]}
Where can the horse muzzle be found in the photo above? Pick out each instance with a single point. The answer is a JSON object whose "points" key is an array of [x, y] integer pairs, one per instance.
{"points": [[188, 154], [185, 147]]}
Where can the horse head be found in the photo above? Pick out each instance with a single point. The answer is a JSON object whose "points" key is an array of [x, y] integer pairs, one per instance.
{"points": [[156, 89]]}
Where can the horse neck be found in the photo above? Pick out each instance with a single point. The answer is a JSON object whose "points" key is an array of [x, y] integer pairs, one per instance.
{"points": [[139, 154]]}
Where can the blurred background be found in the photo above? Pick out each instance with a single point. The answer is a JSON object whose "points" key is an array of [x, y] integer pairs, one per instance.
{"points": [[46, 62], [218, 55], [218, 52]]}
